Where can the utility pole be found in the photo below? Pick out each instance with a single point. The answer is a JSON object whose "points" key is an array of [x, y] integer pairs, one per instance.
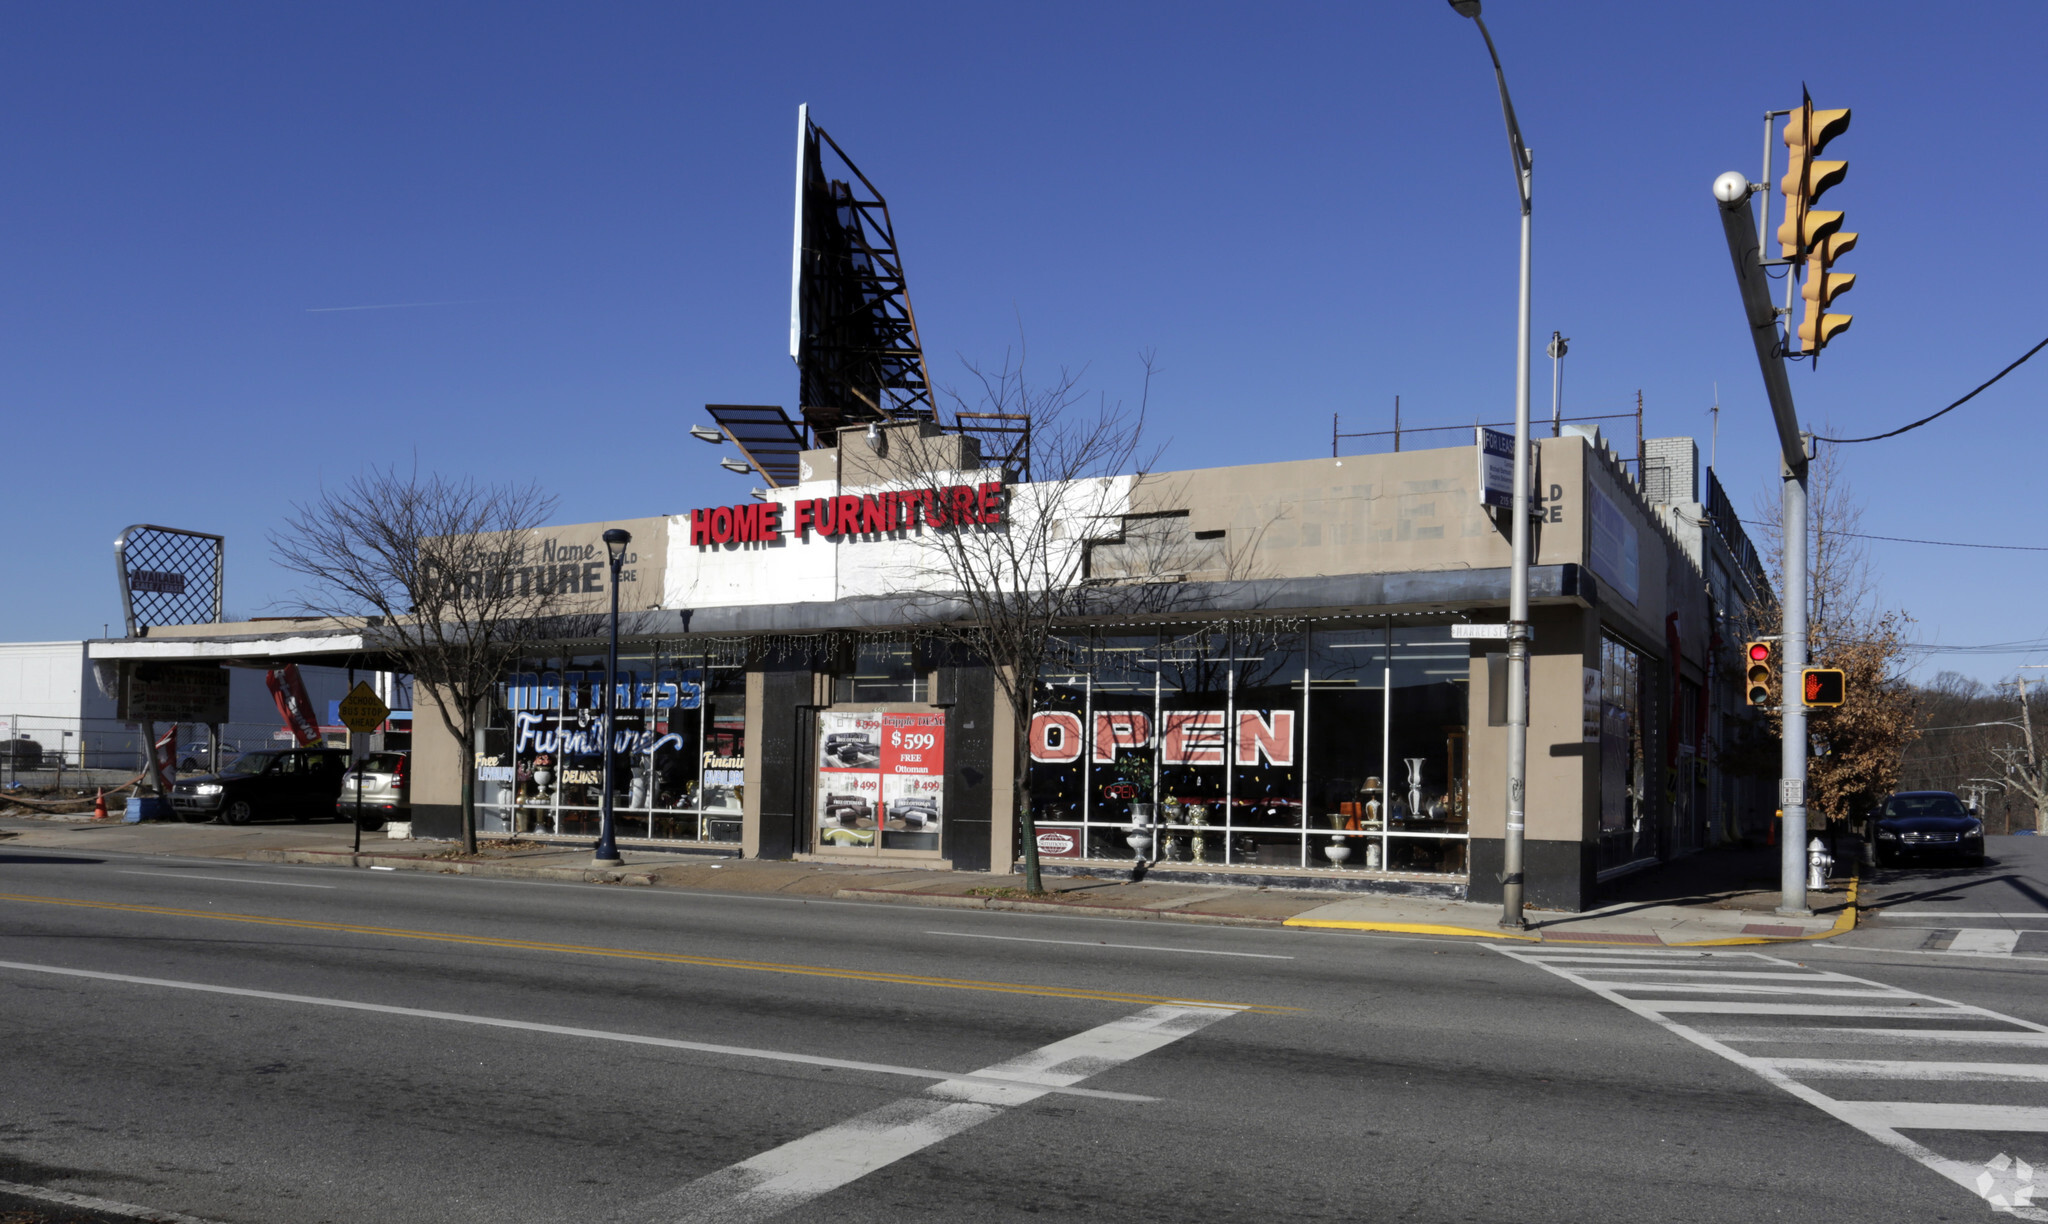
{"points": [[1559, 345]]}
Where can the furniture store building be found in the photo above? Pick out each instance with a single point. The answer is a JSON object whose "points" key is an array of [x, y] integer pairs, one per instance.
{"points": [[1294, 704]]}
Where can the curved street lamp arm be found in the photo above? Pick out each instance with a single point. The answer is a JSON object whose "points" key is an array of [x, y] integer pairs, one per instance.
{"points": [[1516, 149]]}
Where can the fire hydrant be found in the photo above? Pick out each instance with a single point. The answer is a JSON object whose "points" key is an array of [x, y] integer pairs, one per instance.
{"points": [[1819, 865]]}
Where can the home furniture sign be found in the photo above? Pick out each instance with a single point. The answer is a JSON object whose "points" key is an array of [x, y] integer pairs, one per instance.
{"points": [[847, 515]]}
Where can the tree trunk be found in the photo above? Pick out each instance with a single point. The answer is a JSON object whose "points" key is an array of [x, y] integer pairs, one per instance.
{"points": [[468, 797], [1027, 823]]}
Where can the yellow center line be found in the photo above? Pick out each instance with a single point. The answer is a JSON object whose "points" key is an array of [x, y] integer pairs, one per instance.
{"points": [[671, 958]]}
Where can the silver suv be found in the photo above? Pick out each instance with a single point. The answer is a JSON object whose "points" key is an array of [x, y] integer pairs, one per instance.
{"points": [[385, 796]]}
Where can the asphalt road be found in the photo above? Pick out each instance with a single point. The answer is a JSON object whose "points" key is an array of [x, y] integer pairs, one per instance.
{"points": [[286, 1044]]}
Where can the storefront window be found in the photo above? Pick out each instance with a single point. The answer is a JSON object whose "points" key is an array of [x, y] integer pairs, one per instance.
{"points": [[1261, 750], [1627, 833], [883, 671], [677, 746]]}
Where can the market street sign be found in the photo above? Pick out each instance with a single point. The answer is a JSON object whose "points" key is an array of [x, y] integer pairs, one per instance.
{"points": [[362, 710]]}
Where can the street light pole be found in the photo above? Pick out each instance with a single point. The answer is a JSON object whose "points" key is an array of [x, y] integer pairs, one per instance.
{"points": [[1518, 581], [607, 850]]}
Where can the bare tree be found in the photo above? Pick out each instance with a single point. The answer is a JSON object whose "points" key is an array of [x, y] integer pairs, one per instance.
{"points": [[1857, 749], [1000, 584], [2025, 769], [442, 570]]}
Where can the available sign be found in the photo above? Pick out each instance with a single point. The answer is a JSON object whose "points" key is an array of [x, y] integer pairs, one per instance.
{"points": [[871, 514]]}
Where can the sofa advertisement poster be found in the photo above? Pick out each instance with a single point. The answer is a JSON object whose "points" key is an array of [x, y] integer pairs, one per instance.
{"points": [[881, 779]]}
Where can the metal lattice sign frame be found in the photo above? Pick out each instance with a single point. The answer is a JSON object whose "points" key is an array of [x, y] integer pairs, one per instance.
{"points": [[169, 576]]}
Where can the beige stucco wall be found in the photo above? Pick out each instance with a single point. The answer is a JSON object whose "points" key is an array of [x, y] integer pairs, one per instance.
{"points": [[1562, 771], [1361, 514], [435, 775]]}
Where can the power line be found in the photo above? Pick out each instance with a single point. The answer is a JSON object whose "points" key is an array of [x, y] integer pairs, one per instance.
{"points": [[1951, 408], [1909, 540]]}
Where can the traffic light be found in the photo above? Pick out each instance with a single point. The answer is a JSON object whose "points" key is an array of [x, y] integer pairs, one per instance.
{"points": [[1824, 686], [1823, 286], [1810, 234], [1756, 684]]}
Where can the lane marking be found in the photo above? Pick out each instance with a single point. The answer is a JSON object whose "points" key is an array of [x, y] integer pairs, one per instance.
{"points": [[1090, 943], [1880, 1120], [86, 1202], [785, 1178], [2016, 956], [1876, 1036], [1907, 1069], [560, 1030], [1985, 942], [2038, 916], [186, 875], [667, 958]]}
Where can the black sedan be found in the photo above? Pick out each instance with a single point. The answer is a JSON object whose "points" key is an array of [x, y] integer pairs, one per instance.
{"points": [[1928, 825], [298, 783]]}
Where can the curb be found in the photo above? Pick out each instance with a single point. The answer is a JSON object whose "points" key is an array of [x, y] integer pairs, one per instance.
{"points": [[949, 901], [497, 871], [1407, 928], [1845, 922]]}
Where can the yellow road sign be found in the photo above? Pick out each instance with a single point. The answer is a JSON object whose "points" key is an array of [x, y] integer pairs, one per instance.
{"points": [[362, 709]]}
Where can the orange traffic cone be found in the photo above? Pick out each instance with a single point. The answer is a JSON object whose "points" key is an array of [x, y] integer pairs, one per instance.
{"points": [[99, 804]]}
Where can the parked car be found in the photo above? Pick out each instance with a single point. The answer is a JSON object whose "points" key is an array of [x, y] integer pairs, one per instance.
{"points": [[852, 749], [1927, 825], [22, 751], [285, 783], [384, 793]]}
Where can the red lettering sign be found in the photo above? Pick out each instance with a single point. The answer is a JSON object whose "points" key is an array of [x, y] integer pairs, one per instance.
{"points": [[847, 515]]}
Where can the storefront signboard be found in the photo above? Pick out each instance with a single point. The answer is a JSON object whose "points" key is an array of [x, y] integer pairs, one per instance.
{"points": [[881, 779], [1496, 468], [848, 515], [1614, 551], [175, 692], [1059, 843]]}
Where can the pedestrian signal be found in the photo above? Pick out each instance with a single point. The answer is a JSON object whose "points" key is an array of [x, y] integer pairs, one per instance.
{"points": [[1824, 686]]}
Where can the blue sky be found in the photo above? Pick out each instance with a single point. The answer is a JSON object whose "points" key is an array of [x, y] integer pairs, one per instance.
{"points": [[1302, 209]]}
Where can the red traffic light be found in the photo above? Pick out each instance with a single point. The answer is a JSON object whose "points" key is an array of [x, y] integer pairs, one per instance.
{"points": [[1759, 652]]}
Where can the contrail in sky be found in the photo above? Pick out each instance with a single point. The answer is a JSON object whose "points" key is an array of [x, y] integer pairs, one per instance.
{"points": [[394, 305]]}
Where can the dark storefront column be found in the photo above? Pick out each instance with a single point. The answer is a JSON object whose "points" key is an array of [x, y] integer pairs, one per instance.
{"points": [[969, 695], [786, 696]]}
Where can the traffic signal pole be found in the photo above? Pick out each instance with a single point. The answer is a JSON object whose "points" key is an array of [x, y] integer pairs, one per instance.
{"points": [[1733, 190]]}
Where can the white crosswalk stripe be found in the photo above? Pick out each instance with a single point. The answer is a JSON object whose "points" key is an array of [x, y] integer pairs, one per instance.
{"points": [[1793, 1005]]}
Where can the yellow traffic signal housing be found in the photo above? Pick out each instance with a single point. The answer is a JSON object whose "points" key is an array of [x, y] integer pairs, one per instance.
{"points": [[1823, 286], [1758, 669], [1824, 686], [1807, 132]]}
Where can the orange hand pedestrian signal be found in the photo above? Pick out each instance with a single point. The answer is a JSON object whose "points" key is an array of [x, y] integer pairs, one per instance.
{"points": [[1824, 686]]}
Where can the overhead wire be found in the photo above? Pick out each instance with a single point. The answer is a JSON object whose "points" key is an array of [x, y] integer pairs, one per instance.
{"points": [[1944, 412]]}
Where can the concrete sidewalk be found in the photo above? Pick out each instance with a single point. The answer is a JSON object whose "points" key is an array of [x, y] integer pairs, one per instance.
{"points": [[1710, 901]]}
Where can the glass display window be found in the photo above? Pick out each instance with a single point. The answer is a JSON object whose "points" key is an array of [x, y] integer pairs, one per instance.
{"points": [[1627, 834], [883, 672], [1340, 749], [548, 741]]}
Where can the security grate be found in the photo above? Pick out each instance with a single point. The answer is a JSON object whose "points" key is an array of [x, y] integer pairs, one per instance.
{"points": [[169, 576]]}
